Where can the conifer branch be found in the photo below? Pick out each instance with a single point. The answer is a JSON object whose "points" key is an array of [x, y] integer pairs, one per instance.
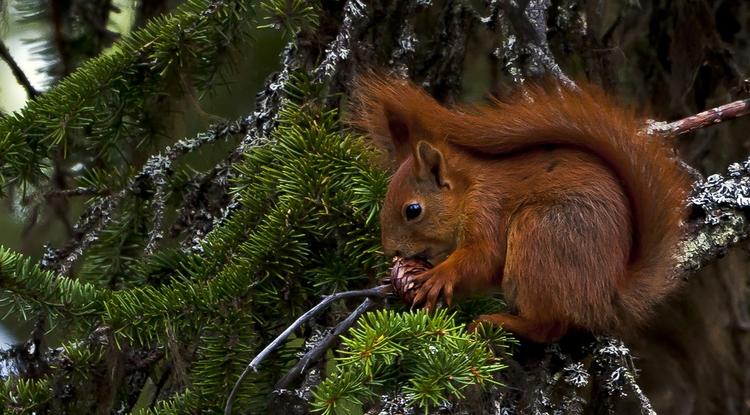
{"points": [[138, 315], [377, 292], [115, 84], [103, 211], [55, 293], [257, 131], [280, 220]]}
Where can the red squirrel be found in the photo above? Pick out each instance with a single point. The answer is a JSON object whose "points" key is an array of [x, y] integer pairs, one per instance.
{"points": [[554, 198]]}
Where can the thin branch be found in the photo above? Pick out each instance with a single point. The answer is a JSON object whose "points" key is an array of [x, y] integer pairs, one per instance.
{"points": [[377, 292], [102, 211], [322, 347], [17, 71], [259, 124], [355, 17], [703, 119], [78, 191]]}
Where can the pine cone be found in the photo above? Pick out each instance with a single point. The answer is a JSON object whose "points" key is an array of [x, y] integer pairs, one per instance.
{"points": [[403, 272]]}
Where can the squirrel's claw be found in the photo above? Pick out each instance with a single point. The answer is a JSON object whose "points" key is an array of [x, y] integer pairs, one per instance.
{"points": [[431, 284]]}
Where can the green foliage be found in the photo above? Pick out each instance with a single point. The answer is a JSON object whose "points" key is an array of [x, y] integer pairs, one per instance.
{"points": [[268, 262], [118, 248], [428, 357], [305, 227], [272, 259], [30, 288], [291, 15], [185, 402], [25, 396], [102, 109]]}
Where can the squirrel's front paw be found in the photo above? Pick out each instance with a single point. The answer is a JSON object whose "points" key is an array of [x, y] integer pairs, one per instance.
{"points": [[431, 285]]}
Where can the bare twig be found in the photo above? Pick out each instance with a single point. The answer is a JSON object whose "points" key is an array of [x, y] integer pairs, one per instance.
{"points": [[321, 347], [703, 119], [17, 71], [377, 292]]}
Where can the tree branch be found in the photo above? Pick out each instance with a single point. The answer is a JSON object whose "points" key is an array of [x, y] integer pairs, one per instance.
{"points": [[720, 203], [17, 71], [355, 15], [323, 345], [700, 120], [101, 212], [377, 292], [530, 54]]}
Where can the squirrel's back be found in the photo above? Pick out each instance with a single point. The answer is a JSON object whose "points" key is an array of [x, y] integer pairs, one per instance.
{"points": [[586, 119]]}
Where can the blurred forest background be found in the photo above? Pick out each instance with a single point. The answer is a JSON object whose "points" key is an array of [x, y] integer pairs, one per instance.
{"points": [[206, 248]]}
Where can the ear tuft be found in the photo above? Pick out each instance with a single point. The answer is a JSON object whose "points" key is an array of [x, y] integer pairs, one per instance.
{"points": [[398, 127], [394, 113]]}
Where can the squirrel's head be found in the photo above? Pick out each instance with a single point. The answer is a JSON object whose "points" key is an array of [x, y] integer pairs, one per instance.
{"points": [[421, 213]]}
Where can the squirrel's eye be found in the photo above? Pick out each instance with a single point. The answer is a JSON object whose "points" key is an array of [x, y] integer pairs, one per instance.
{"points": [[413, 211]]}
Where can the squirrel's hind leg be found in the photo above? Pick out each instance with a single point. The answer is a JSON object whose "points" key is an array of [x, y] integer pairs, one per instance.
{"points": [[562, 264]]}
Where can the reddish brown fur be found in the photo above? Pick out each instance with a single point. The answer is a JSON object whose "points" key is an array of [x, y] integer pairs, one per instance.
{"points": [[554, 198]]}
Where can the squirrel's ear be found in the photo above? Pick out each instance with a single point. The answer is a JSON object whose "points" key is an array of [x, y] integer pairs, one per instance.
{"points": [[400, 131], [430, 165]]}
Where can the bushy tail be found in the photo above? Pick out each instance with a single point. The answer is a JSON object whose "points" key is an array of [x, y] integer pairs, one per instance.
{"points": [[654, 183]]}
